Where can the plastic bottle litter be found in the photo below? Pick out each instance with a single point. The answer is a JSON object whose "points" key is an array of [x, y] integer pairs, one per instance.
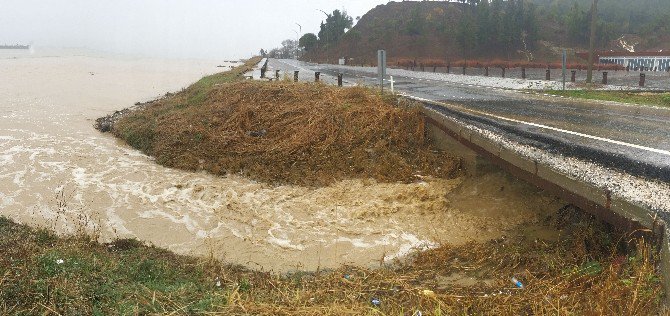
{"points": [[347, 277], [417, 313], [517, 283], [376, 302]]}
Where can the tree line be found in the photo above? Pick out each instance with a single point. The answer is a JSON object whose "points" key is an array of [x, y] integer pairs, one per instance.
{"points": [[331, 31], [506, 26], [497, 24], [649, 19]]}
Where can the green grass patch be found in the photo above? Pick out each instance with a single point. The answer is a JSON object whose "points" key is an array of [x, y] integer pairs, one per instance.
{"points": [[642, 98]]}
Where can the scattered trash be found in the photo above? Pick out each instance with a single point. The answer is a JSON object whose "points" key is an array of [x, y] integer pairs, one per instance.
{"points": [[517, 283], [347, 277], [417, 313], [428, 293], [218, 282], [376, 302], [59, 261]]}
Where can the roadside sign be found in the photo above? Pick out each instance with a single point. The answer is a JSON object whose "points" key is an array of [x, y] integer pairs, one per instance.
{"points": [[565, 62], [381, 67]]}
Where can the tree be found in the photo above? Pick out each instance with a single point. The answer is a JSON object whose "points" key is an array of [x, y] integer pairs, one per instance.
{"points": [[466, 35], [416, 24], [335, 26], [288, 50], [308, 41]]}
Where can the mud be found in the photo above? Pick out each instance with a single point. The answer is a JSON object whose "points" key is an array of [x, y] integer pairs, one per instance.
{"points": [[57, 171]]}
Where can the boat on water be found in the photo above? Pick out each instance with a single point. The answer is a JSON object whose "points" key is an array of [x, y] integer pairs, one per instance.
{"points": [[17, 46]]}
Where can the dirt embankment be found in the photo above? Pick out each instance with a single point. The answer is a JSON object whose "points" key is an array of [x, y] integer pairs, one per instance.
{"points": [[287, 133]]}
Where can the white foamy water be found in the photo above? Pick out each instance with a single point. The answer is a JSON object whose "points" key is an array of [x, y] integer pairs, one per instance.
{"points": [[57, 171]]}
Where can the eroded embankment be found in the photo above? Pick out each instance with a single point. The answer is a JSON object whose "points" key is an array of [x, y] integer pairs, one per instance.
{"points": [[286, 133], [346, 175]]}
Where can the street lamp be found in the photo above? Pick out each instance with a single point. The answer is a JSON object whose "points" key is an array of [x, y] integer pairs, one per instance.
{"points": [[296, 44], [327, 16], [297, 40]]}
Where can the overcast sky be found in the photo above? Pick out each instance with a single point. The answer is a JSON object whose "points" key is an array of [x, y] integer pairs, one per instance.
{"points": [[167, 28]]}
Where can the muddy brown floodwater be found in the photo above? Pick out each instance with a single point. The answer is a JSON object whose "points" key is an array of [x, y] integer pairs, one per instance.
{"points": [[57, 171]]}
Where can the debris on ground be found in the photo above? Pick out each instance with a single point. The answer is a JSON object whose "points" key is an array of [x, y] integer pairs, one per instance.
{"points": [[288, 133]]}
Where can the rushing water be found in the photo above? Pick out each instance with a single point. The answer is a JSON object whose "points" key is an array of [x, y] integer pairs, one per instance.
{"points": [[57, 171]]}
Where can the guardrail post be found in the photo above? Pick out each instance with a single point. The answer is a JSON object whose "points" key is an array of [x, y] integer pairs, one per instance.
{"points": [[277, 74], [548, 74], [316, 76], [642, 79], [604, 77], [486, 71], [339, 80], [523, 73], [503, 72], [295, 76], [573, 75]]}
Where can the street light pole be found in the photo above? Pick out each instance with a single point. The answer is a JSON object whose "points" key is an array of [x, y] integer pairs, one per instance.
{"points": [[594, 18], [295, 52], [327, 16], [297, 42]]}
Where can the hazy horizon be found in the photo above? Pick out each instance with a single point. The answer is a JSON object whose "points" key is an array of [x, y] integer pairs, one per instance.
{"points": [[166, 29]]}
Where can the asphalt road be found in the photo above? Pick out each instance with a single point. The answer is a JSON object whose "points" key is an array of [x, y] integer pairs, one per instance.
{"points": [[634, 139]]}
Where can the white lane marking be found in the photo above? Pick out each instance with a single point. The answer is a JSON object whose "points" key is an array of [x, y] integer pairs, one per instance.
{"points": [[607, 140]]}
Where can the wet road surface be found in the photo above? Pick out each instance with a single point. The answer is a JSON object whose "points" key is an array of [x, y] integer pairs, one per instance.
{"points": [[635, 139]]}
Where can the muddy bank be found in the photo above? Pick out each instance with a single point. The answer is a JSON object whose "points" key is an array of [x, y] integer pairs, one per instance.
{"points": [[286, 133], [346, 176], [48, 146]]}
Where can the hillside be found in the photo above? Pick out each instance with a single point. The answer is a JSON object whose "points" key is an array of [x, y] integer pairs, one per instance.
{"points": [[534, 30]]}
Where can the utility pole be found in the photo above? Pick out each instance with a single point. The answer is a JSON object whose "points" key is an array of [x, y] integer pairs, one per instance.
{"points": [[594, 18]]}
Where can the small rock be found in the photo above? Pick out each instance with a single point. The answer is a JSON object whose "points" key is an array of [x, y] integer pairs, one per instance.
{"points": [[260, 133]]}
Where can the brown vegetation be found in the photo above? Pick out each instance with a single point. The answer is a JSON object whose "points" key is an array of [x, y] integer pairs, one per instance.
{"points": [[284, 132]]}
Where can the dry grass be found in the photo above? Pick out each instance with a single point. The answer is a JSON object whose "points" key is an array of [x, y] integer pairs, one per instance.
{"points": [[590, 270], [284, 132]]}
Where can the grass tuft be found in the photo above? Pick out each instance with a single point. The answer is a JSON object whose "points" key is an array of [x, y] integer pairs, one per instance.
{"points": [[642, 98]]}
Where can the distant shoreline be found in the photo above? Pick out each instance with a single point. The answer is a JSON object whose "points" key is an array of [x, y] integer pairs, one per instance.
{"points": [[21, 47]]}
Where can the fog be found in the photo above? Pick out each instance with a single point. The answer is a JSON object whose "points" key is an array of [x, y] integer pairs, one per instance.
{"points": [[166, 28]]}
